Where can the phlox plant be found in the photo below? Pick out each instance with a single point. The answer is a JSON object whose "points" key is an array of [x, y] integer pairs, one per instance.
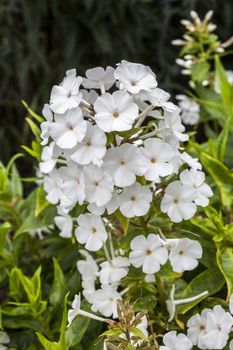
{"points": [[140, 238]]}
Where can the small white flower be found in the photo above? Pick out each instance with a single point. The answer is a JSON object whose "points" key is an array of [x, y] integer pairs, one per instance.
{"points": [[190, 110], [76, 310], [184, 253], [178, 201], [148, 252], [47, 113], [196, 179], [4, 340], [89, 96], [113, 271], [49, 158], [92, 148], [73, 185], [115, 112], [105, 301], [98, 184], [135, 77], [157, 97], [99, 78], [197, 327], [67, 94], [91, 231], [174, 341], [171, 125], [123, 163], [192, 162], [53, 187], [110, 206], [88, 268], [65, 224], [68, 129], [135, 200], [157, 155]]}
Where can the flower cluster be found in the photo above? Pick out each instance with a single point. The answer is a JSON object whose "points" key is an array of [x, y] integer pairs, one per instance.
{"points": [[190, 110], [98, 151]]}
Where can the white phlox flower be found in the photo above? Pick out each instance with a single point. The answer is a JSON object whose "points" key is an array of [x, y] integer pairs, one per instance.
{"points": [[157, 97], [65, 225], [190, 110], [135, 77], [68, 129], [196, 179], [192, 162], [184, 254], [171, 125], [172, 303], [178, 201], [123, 163], [66, 95], [76, 310], [174, 341], [48, 115], [92, 148], [115, 112], [98, 185], [73, 186], [211, 329], [99, 78], [135, 200], [91, 231], [148, 252], [49, 157], [105, 301], [157, 155], [88, 268], [114, 270]]}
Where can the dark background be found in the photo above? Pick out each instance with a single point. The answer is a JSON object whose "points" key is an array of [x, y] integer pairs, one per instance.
{"points": [[40, 39]]}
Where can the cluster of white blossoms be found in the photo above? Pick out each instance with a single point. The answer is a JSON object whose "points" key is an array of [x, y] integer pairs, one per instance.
{"points": [[208, 330], [99, 151]]}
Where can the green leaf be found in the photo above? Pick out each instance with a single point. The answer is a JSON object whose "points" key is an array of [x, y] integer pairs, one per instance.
{"points": [[199, 71], [15, 184], [210, 280], [59, 285], [47, 344], [78, 328], [225, 263], [123, 220], [222, 177], [41, 201], [32, 113]]}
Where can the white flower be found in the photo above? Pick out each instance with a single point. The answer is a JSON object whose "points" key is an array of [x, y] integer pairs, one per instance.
{"points": [[4, 339], [157, 97], [47, 113], [178, 201], [197, 327], [171, 125], [99, 185], [87, 268], [99, 78], [89, 96], [68, 129], [92, 148], [171, 303], [196, 179], [113, 271], [174, 341], [67, 94], [105, 301], [76, 310], [218, 326], [65, 224], [148, 252], [211, 329], [49, 158], [53, 187], [135, 77], [135, 200], [115, 112], [157, 155], [190, 110], [192, 162], [184, 253], [73, 186], [110, 206], [91, 231], [123, 163]]}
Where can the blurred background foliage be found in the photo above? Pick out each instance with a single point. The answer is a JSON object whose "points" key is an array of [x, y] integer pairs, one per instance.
{"points": [[40, 39]]}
